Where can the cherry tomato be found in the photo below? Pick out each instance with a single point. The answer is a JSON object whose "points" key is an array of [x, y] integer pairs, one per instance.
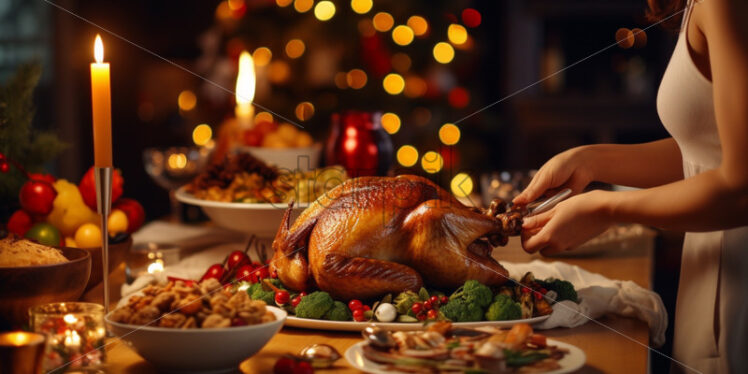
{"points": [[295, 301], [538, 295], [358, 315], [284, 365], [282, 297], [259, 273], [434, 300], [421, 316], [432, 314], [355, 305], [366, 308], [303, 367], [302, 294], [416, 308], [244, 273], [427, 305], [236, 258], [444, 299], [543, 291], [215, 271], [525, 290]]}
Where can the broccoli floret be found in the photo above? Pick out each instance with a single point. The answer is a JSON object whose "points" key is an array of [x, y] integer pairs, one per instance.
{"points": [[338, 312], [564, 289], [503, 309], [314, 305], [405, 300], [474, 293], [257, 292], [461, 310]]}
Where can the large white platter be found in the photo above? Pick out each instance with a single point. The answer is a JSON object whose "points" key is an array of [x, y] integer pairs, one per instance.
{"points": [[319, 324], [571, 362]]}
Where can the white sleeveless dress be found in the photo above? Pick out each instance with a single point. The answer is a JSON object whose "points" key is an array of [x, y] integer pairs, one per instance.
{"points": [[711, 317]]}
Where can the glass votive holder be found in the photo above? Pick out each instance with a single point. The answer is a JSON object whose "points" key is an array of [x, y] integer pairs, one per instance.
{"points": [[75, 334], [150, 258], [21, 352]]}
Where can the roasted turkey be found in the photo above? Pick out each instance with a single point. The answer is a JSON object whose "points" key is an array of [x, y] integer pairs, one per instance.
{"points": [[376, 235]]}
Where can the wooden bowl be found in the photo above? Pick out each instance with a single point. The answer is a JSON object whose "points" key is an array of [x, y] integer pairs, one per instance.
{"points": [[26, 286], [117, 255]]}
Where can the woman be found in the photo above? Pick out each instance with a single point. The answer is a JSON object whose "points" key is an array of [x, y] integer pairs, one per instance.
{"points": [[696, 181]]}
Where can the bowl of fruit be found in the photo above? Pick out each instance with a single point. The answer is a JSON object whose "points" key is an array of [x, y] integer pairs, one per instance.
{"points": [[59, 213], [282, 145]]}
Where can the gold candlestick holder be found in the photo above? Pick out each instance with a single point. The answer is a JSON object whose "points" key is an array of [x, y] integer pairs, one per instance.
{"points": [[103, 179]]}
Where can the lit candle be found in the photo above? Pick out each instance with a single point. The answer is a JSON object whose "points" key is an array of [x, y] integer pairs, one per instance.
{"points": [[102, 107], [245, 90]]}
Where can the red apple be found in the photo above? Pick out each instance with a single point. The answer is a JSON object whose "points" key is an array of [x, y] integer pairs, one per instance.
{"points": [[20, 222], [87, 186], [134, 212], [36, 197]]}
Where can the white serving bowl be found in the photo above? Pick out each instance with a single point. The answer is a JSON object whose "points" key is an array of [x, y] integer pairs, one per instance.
{"points": [[262, 219], [303, 159], [198, 350]]}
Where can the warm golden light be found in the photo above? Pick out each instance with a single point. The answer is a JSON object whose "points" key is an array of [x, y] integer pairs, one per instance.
{"points": [[361, 6], [401, 62], [186, 100], [156, 266], [236, 4], [69, 318], [356, 79], [264, 117], [177, 161], [202, 134], [279, 71], [366, 27], [20, 338], [383, 21], [304, 111], [245, 80], [457, 34], [432, 162], [303, 6], [262, 56], [402, 35], [462, 185], [415, 86], [407, 155], [443, 53], [393, 83], [391, 123], [295, 48], [324, 10], [283, 3], [418, 24], [341, 80], [98, 49], [449, 134]]}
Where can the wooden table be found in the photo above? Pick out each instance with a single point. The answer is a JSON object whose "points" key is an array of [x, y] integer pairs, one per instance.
{"points": [[612, 344]]}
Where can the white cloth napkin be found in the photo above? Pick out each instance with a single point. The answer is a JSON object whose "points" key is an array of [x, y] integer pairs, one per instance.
{"points": [[598, 296]]}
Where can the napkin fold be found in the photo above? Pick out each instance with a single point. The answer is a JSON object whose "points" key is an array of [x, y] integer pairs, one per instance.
{"points": [[598, 296]]}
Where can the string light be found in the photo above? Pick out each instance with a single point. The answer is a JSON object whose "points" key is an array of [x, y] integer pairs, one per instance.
{"points": [[407, 155], [402, 35], [462, 185], [186, 100], [383, 21], [418, 24], [449, 134], [262, 56], [202, 134], [391, 122], [356, 79], [432, 162], [324, 10], [303, 6], [295, 48], [443, 53], [393, 84], [283, 3], [457, 34], [304, 111], [361, 6]]}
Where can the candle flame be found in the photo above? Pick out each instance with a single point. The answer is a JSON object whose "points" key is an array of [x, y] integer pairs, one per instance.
{"points": [[98, 49], [245, 80]]}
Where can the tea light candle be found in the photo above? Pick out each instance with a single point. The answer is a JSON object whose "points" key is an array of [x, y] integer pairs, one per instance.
{"points": [[21, 352]]}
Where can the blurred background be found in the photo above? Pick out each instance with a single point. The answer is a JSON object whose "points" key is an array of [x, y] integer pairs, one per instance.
{"points": [[424, 64]]}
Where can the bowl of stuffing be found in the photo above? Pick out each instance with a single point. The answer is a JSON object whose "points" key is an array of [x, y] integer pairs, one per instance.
{"points": [[187, 326], [33, 274]]}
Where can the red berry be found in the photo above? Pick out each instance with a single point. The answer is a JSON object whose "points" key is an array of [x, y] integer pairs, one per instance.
{"points": [[236, 258], [432, 314], [259, 273], [282, 297], [358, 315], [538, 295], [20, 222], [525, 290], [238, 322], [284, 365], [434, 300], [244, 273], [444, 299], [303, 367], [367, 308], [355, 305], [4, 166], [543, 291], [421, 316], [36, 197], [302, 294], [215, 271], [295, 301], [416, 308], [427, 305]]}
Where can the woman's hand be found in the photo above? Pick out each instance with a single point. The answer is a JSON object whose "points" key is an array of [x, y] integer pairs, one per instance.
{"points": [[569, 224], [570, 169]]}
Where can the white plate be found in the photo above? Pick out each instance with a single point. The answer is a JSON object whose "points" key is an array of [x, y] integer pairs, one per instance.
{"points": [[261, 219], [571, 362], [320, 324]]}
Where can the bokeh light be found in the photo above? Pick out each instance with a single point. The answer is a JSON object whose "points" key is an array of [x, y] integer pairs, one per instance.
{"points": [[295, 48], [223, 11], [407, 155], [393, 83], [419, 25], [177, 160], [283, 3], [625, 38], [449, 134], [324, 10], [402, 35], [415, 86], [432, 162], [356, 79], [303, 6], [421, 116], [383, 21], [443, 53], [341, 80], [391, 122], [457, 34], [279, 71], [640, 37], [262, 56], [471, 17], [304, 111], [186, 100], [401, 62], [236, 4], [361, 6], [366, 27], [263, 117], [462, 185], [202, 134], [458, 97]]}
